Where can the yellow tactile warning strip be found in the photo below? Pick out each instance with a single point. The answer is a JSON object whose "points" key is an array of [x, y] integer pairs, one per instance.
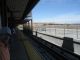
{"points": [[31, 51]]}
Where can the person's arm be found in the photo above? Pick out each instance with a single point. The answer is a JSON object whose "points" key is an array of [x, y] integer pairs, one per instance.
{"points": [[4, 52]]}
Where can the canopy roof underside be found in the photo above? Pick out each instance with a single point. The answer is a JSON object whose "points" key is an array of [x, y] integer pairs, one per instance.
{"points": [[19, 8]]}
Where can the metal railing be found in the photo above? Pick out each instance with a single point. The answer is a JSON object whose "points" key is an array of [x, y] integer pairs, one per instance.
{"points": [[54, 37], [56, 48], [52, 48], [61, 30]]}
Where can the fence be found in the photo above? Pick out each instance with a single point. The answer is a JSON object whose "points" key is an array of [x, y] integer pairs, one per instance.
{"points": [[57, 41], [61, 30]]}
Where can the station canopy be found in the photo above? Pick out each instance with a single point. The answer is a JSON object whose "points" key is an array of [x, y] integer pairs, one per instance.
{"points": [[20, 8]]}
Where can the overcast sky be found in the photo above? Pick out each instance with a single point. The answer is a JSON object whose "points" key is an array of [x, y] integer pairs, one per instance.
{"points": [[57, 11]]}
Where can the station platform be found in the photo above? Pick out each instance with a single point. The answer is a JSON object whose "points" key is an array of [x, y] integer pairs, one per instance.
{"points": [[22, 49]]}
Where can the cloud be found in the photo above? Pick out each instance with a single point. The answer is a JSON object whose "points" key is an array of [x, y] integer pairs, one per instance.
{"points": [[67, 19]]}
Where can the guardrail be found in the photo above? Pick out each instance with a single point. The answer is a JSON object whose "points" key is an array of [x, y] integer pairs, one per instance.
{"points": [[55, 37], [59, 50]]}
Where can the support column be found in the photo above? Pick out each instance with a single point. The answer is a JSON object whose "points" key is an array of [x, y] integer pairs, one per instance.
{"points": [[31, 25], [4, 20]]}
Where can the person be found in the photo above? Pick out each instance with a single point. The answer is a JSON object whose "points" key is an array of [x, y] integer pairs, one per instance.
{"points": [[4, 47]]}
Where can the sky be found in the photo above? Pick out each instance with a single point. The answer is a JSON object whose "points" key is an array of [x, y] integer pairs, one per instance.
{"points": [[57, 11]]}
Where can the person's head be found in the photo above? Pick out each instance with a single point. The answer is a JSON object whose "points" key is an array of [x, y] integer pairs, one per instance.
{"points": [[5, 34]]}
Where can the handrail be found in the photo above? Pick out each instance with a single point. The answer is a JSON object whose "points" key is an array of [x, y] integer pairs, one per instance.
{"points": [[52, 45], [56, 37]]}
